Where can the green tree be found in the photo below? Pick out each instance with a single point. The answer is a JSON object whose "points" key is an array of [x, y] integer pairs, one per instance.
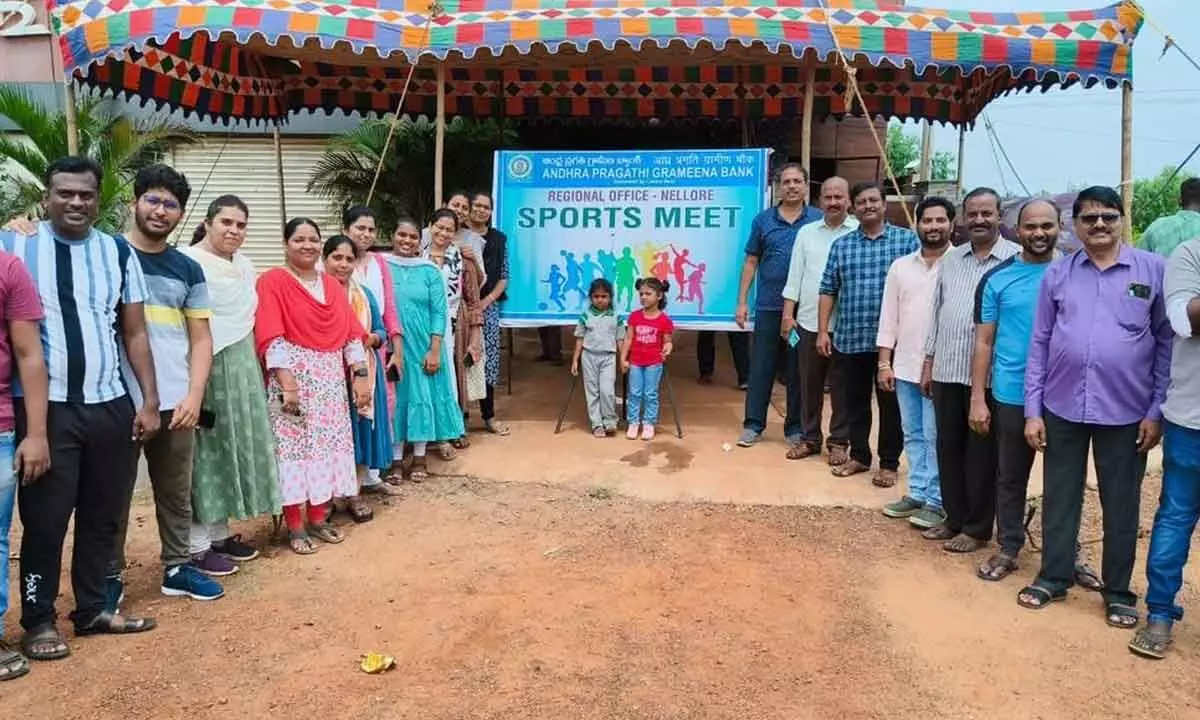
{"points": [[903, 150], [119, 145], [944, 165], [345, 171], [1155, 197]]}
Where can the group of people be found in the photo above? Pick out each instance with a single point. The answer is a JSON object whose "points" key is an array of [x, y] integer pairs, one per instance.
{"points": [[294, 393], [981, 355]]}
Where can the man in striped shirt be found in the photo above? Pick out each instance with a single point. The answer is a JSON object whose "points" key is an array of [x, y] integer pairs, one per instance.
{"points": [[91, 288], [966, 459]]}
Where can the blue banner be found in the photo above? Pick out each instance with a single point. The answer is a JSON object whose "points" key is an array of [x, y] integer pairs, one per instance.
{"points": [[681, 216]]}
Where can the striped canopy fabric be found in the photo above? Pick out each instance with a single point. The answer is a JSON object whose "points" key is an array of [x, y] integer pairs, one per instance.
{"points": [[254, 60]]}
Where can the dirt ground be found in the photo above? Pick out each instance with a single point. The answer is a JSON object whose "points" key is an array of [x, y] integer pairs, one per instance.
{"points": [[566, 577]]}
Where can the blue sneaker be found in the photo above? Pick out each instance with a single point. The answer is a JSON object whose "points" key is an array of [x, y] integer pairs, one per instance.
{"points": [[114, 593], [187, 581]]}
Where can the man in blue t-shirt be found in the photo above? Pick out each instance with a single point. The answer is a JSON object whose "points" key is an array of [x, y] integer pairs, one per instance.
{"points": [[768, 258], [1005, 301]]}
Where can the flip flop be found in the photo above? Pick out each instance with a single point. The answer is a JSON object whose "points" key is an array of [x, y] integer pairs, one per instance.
{"points": [[962, 544], [939, 532], [997, 567], [327, 533], [885, 479], [1114, 613], [849, 468], [43, 637], [497, 428], [301, 543], [1044, 597], [1152, 641], [12, 664], [1087, 578], [107, 623], [800, 451]]}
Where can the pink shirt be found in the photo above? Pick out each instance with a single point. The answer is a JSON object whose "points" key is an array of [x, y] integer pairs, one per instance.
{"points": [[18, 301], [904, 314]]}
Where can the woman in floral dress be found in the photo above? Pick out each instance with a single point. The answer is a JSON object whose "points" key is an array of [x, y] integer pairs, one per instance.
{"points": [[306, 335]]}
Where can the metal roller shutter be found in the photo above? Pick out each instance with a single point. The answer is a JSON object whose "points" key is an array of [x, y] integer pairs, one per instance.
{"points": [[245, 166]]}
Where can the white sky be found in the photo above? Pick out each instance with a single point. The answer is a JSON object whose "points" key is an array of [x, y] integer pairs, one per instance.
{"points": [[1072, 138]]}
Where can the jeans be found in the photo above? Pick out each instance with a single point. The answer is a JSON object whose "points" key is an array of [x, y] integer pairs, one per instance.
{"points": [[8, 497], [641, 406], [1178, 510], [764, 359], [920, 444]]}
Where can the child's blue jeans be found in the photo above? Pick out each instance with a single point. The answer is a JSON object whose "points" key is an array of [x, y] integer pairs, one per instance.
{"points": [[642, 404]]}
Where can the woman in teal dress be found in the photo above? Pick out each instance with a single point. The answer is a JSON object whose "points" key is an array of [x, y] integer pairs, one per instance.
{"points": [[426, 409]]}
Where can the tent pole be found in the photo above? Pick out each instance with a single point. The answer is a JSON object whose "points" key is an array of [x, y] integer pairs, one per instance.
{"points": [[958, 174], [926, 172], [439, 141], [72, 119], [279, 177], [1127, 157], [806, 121]]}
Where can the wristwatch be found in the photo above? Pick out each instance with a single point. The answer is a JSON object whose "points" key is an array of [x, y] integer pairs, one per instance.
{"points": [[360, 372]]}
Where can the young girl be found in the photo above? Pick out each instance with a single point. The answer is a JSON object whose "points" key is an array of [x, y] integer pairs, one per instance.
{"points": [[599, 331], [647, 345]]}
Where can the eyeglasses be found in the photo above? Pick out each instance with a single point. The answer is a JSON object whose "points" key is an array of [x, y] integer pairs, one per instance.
{"points": [[1108, 218], [155, 201]]}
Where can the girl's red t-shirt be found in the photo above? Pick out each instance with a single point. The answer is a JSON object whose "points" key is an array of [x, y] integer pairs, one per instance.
{"points": [[648, 335]]}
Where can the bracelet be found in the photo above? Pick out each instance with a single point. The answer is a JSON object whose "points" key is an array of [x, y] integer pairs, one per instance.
{"points": [[885, 366], [283, 389]]}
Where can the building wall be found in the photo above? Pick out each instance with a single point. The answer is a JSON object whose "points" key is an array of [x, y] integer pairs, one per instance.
{"points": [[27, 52], [245, 166]]}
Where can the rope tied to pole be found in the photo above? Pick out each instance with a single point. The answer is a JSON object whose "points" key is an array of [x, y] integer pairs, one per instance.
{"points": [[434, 10], [853, 92]]}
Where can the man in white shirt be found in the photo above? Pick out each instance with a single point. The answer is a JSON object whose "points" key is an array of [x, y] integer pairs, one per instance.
{"points": [[903, 326], [800, 297]]}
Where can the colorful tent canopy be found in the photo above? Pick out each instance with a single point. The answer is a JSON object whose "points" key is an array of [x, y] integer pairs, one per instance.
{"points": [[263, 59]]}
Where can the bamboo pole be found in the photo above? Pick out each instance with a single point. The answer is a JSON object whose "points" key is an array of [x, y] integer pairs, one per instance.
{"points": [[279, 177], [71, 117], [806, 120], [958, 174], [1127, 157], [926, 170], [439, 139]]}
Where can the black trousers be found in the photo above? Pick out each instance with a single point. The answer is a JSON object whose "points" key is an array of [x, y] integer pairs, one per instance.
{"points": [[739, 348], [93, 465], [817, 371], [1014, 460], [1119, 472], [856, 374], [487, 406], [551, 338], [966, 463]]}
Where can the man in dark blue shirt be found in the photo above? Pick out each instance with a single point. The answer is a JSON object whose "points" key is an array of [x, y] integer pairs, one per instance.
{"points": [[768, 257]]}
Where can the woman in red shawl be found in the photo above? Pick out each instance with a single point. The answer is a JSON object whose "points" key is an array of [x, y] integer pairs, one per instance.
{"points": [[307, 335]]}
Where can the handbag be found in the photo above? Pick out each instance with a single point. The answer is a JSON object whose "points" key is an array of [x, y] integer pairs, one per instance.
{"points": [[476, 381]]}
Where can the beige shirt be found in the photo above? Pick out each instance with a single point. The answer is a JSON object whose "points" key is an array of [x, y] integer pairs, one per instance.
{"points": [[904, 315]]}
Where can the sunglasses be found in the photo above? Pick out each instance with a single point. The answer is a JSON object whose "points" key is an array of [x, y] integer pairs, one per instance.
{"points": [[1108, 218]]}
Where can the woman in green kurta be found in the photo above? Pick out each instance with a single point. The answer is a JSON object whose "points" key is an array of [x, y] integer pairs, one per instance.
{"points": [[234, 473], [426, 400]]}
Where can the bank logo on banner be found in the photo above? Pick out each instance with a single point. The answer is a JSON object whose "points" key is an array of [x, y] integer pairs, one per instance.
{"points": [[520, 168], [575, 218]]}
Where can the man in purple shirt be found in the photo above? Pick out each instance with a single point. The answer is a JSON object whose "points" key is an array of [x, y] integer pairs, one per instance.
{"points": [[1097, 374]]}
